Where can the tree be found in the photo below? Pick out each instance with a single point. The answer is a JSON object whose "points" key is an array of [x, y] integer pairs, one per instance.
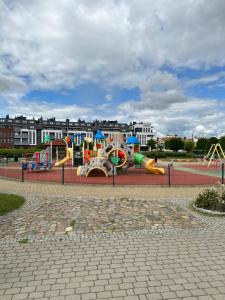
{"points": [[213, 140], [222, 142], [202, 144], [151, 144], [189, 146], [174, 143]]}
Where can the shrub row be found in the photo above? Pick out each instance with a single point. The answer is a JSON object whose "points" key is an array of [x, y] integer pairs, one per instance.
{"points": [[16, 152], [161, 154]]}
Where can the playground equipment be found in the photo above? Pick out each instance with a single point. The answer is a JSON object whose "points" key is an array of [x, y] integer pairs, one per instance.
{"points": [[39, 161], [214, 150], [69, 152], [112, 156], [73, 151], [69, 156]]}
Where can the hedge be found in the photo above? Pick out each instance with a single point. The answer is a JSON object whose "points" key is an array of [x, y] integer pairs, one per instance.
{"points": [[161, 154], [15, 152]]}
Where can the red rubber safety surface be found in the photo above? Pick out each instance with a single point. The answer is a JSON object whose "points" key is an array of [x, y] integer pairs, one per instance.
{"points": [[133, 176]]}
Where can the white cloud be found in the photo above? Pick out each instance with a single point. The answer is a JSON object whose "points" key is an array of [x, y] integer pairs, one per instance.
{"points": [[63, 43], [16, 106], [11, 84], [58, 45], [214, 79], [108, 97], [194, 116]]}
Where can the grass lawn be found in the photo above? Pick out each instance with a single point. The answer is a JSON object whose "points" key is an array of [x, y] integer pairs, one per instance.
{"points": [[9, 203]]}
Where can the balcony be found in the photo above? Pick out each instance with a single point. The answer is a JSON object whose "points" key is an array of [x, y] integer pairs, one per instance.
{"points": [[19, 143]]}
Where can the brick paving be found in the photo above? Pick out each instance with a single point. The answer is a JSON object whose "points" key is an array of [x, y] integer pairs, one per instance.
{"points": [[181, 263]]}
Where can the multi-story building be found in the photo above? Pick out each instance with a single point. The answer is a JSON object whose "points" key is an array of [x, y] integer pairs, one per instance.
{"points": [[30, 132], [144, 132], [6, 137]]}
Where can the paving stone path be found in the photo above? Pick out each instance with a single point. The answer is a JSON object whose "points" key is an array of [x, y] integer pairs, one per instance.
{"points": [[174, 262], [47, 215]]}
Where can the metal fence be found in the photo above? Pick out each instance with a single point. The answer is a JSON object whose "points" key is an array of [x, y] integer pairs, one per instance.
{"points": [[66, 174]]}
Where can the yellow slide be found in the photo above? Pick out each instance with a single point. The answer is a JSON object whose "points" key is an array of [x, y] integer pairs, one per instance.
{"points": [[69, 155], [149, 165]]}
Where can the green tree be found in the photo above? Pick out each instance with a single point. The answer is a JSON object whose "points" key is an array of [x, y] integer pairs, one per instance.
{"points": [[202, 144], [212, 140], [151, 144], [189, 146], [222, 142], [174, 143]]}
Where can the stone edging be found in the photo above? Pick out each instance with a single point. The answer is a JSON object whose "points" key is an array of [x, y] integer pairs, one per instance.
{"points": [[212, 212]]}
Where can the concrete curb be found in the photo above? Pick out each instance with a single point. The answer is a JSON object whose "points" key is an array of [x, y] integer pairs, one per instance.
{"points": [[212, 212]]}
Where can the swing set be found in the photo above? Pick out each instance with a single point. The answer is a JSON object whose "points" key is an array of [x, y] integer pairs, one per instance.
{"points": [[214, 150]]}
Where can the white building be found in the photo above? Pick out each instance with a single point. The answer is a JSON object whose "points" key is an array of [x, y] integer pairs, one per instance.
{"points": [[25, 137], [54, 134], [144, 132]]}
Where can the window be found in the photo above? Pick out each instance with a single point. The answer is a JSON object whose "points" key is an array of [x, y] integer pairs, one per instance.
{"points": [[138, 129]]}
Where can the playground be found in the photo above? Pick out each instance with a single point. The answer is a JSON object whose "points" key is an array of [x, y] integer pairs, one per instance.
{"points": [[113, 161]]}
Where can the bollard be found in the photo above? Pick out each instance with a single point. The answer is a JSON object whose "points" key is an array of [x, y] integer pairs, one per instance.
{"points": [[113, 177], [169, 183], [63, 171], [222, 177]]}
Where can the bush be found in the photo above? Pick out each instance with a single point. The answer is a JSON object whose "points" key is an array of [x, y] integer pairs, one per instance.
{"points": [[16, 152], [161, 154], [212, 199]]}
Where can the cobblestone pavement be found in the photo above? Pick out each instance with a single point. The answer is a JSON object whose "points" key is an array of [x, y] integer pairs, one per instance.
{"points": [[52, 215], [155, 263]]}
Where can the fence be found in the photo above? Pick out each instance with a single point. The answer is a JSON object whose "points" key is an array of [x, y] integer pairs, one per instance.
{"points": [[175, 175]]}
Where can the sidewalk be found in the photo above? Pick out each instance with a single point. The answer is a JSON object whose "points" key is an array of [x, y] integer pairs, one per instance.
{"points": [[172, 262]]}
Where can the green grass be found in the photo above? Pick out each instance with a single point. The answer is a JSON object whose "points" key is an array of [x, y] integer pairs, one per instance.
{"points": [[9, 202], [24, 241], [72, 223]]}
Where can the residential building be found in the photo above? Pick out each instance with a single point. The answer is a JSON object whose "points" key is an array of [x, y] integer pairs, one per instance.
{"points": [[30, 132], [6, 137], [144, 132]]}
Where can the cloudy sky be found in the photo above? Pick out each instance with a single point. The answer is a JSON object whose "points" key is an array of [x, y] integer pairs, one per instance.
{"points": [[156, 61]]}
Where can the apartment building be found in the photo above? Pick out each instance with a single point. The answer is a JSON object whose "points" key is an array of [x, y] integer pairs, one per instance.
{"points": [[144, 132], [6, 137], [30, 132]]}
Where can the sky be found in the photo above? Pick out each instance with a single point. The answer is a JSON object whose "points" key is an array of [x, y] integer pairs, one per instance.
{"points": [[160, 61]]}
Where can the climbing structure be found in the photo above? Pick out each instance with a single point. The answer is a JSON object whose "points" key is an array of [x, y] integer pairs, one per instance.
{"points": [[114, 155], [38, 161]]}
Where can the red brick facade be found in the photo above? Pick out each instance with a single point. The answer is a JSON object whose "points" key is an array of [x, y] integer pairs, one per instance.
{"points": [[6, 137]]}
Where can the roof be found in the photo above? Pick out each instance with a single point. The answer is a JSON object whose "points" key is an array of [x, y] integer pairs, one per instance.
{"points": [[57, 143], [99, 135]]}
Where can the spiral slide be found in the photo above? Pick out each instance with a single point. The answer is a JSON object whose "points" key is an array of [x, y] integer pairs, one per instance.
{"points": [[148, 164], [69, 155]]}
